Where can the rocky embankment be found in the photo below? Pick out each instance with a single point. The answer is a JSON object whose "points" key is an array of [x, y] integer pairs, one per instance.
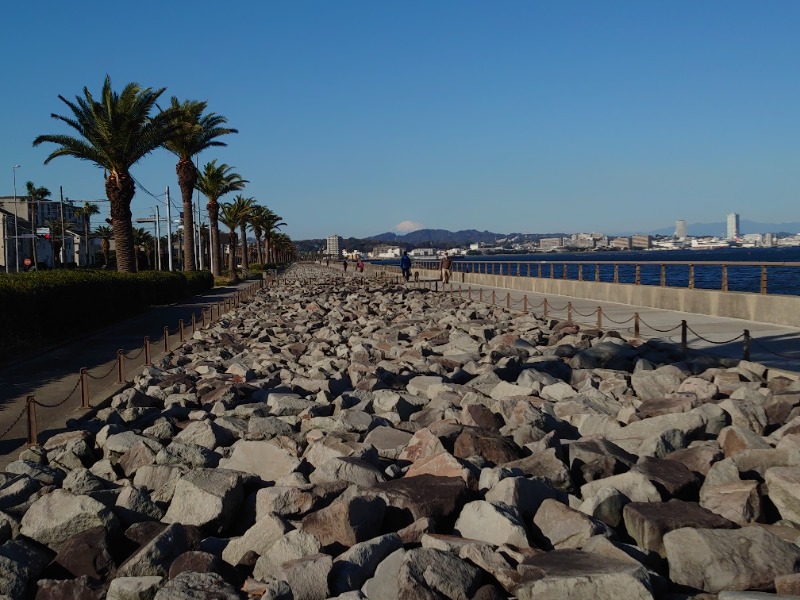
{"points": [[358, 440]]}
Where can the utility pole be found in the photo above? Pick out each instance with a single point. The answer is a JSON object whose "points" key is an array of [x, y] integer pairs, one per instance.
{"points": [[158, 238], [169, 233], [63, 243], [199, 237]]}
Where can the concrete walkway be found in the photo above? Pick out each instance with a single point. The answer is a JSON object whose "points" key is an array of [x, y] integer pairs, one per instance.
{"points": [[773, 345], [53, 375]]}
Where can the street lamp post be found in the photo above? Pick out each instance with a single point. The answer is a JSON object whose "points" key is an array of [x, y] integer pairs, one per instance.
{"points": [[16, 231]]}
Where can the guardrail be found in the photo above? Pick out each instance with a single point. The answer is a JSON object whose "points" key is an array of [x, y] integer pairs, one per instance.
{"points": [[754, 277]]}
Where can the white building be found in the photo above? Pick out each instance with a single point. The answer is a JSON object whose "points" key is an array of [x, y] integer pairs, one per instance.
{"points": [[333, 245], [387, 252], [422, 252], [680, 229], [733, 226]]}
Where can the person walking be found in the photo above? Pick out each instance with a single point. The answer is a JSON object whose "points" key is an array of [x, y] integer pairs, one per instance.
{"points": [[344, 265], [445, 265], [360, 266], [405, 265]]}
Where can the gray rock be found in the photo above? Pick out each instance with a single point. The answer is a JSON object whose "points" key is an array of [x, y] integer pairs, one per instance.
{"points": [[206, 498], [197, 586], [352, 568], [134, 588]]}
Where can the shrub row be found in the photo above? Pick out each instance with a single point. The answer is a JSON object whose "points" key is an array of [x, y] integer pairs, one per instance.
{"points": [[44, 307]]}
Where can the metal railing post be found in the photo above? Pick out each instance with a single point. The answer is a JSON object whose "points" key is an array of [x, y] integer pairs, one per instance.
{"points": [[120, 366], [663, 277], [724, 278], [763, 279], [147, 349], [599, 317], [638, 274], [508, 300], [493, 298], [580, 271], [525, 303], [684, 332], [546, 306], [564, 271], [597, 271], [616, 273], [33, 434], [569, 312], [84, 389], [166, 338], [746, 345], [180, 330], [691, 276], [636, 325], [480, 294]]}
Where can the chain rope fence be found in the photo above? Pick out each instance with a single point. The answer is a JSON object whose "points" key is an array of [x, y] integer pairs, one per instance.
{"points": [[171, 339]]}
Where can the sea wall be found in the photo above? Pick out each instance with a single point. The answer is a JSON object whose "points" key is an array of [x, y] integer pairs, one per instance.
{"points": [[766, 308]]}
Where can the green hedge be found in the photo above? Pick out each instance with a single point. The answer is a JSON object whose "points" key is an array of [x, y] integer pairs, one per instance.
{"points": [[43, 307]]}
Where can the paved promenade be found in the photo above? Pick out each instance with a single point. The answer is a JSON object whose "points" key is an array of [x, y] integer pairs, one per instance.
{"points": [[53, 375]]}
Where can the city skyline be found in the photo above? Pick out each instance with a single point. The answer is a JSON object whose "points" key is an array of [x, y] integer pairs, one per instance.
{"points": [[367, 117]]}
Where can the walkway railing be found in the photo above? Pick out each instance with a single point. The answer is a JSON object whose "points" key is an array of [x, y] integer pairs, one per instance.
{"points": [[754, 277], [636, 326], [171, 339]]}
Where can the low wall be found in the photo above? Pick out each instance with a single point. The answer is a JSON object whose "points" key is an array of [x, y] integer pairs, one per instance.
{"points": [[776, 309]]}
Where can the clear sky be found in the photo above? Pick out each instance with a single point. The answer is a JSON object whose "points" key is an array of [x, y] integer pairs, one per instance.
{"points": [[359, 117]]}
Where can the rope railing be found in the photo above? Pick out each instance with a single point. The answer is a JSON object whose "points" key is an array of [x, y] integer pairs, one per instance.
{"points": [[638, 322], [119, 365]]}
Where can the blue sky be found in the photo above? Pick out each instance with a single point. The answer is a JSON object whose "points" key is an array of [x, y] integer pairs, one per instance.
{"points": [[357, 117]]}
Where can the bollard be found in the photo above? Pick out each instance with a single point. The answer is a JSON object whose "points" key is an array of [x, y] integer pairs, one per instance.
{"points": [[569, 312], [599, 317], [202, 319], [84, 389], [683, 334], [525, 303], [746, 345], [147, 349], [120, 366], [493, 298], [166, 339], [180, 329], [480, 294], [469, 293], [545, 305], [508, 300], [33, 434], [636, 325]]}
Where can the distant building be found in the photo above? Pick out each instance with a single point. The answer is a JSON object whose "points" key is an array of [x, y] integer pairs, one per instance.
{"points": [[422, 252], [680, 229], [769, 240], [333, 246], [641, 242], [553, 242], [621, 243], [733, 226], [386, 252]]}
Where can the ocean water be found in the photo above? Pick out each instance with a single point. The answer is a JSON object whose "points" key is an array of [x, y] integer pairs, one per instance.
{"points": [[741, 278]]}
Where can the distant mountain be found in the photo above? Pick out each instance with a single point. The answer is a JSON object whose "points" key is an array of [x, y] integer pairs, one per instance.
{"points": [[721, 229], [439, 237]]}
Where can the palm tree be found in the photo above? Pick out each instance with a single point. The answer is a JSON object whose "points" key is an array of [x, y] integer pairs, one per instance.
{"points": [[85, 212], [285, 250], [257, 222], [214, 182], [273, 223], [105, 234], [35, 195], [115, 133], [142, 239], [242, 208], [229, 218], [195, 132]]}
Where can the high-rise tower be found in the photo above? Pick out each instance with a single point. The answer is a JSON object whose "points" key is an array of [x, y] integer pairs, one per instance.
{"points": [[733, 226], [680, 229]]}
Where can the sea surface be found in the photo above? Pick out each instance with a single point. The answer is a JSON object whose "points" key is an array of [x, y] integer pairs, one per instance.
{"points": [[780, 279]]}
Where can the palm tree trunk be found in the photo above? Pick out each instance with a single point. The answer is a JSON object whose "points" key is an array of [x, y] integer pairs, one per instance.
{"points": [[232, 253], [213, 228], [258, 246], [245, 261], [120, 190], [187, 177], [86, 233]]}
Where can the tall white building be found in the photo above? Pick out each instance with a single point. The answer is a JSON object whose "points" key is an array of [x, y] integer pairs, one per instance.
{"points": [[733, 226], [680, 229], [333, 246]]}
